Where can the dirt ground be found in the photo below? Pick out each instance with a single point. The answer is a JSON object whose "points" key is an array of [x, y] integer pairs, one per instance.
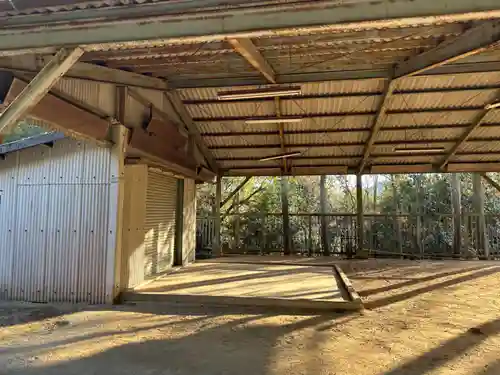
{"points": [[420, 318]]}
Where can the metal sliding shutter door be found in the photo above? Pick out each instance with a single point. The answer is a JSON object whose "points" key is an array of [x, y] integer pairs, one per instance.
{"points": [[159, 223]]}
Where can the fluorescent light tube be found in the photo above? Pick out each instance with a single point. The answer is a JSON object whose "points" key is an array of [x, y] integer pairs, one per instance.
{"points": [[276, 120], [401, 150], [492, 106], [258, 93], [281, 156]]}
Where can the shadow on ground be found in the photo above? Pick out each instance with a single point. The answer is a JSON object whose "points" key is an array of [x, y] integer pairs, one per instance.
{"points": [[235, 347]]}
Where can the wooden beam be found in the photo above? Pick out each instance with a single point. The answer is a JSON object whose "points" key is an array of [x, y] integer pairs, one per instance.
{"points": [[38, 87], [287, 243], [176, 103], [471, 42], [247, 49], [390, 86], [236, 190], [473, 167], [85, 71], [216, 242], [325, 238], [457, 214], [478, 204], [492, 182], [157, 111], [476, 123], [360, 214], [71, 119]]}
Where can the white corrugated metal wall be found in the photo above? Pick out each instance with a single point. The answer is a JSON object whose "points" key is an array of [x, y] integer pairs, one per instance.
{"points": [[159, 222], [55, 224], [189, 227]]}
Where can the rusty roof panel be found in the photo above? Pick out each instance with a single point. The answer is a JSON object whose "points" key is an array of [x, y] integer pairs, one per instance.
{"points": [[419, 134], [322, 138], [313, 162], [330, 105], [241, 140], [483, 146], [449, 80], [231, 109], [415, 159], [455, 99], [486, 132], [430, 118]]}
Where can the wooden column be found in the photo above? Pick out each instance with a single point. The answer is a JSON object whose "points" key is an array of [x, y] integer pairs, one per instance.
{"points": [[286, 220], [325, 242], [419, 212], [216, 243], [482, 235], [360, 213], [237, 226], [397, 211], [179, 223], [457, 213]]}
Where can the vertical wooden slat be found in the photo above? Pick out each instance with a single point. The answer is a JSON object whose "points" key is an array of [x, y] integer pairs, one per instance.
{"points": [[360, 213], [286, 219]]}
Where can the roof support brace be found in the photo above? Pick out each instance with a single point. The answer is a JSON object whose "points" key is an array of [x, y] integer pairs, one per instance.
{"points": [[492, 182], [233, 193], [469, 43], [39, 87], [466, 135]]}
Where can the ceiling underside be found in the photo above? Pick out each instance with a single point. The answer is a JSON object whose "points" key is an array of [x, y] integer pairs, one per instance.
{"points": [[343, 76]]}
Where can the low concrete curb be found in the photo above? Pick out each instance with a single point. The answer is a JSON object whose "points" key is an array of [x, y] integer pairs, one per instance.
{"points": [[346, 284]]}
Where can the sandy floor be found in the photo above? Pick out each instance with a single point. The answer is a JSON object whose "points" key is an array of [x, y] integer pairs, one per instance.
{"points": [[423, 318], [248, 282]]}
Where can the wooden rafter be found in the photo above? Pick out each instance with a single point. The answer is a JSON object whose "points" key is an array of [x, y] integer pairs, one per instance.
{"points": [[247, 49], [471, 42], [478, 120]]}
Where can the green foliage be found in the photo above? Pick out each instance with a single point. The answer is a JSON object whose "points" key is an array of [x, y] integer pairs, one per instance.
{"points": [[23, 130]]}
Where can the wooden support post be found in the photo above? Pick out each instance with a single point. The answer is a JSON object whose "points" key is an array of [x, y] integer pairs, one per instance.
{"points": [[457, 213], [286, 219], [237, 226], [216, 242], [309, 240], [419, 212], [325, 242], [397, 211], [482, 235], [360, 214]]}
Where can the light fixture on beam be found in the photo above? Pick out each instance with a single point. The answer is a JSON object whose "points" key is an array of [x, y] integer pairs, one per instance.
{"points": [[259, 93], [282, 156], [420, 150], [492, 106], [275, 120]]}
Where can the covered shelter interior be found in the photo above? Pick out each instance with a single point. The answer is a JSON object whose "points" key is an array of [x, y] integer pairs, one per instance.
{"points": [[208, 89]]}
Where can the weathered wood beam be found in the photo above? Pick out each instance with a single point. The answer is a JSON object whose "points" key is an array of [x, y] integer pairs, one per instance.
{"points": [[478, 204], [236, 190], [72, 119], [157, 111], [90, 72], [176, 103], [491, 181], [476, 123], [247, 49], [473, 41], [390, 86], [38, 87]]}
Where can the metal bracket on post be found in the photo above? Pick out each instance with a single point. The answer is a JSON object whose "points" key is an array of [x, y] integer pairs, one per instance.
{"points": [[39, 87]]}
